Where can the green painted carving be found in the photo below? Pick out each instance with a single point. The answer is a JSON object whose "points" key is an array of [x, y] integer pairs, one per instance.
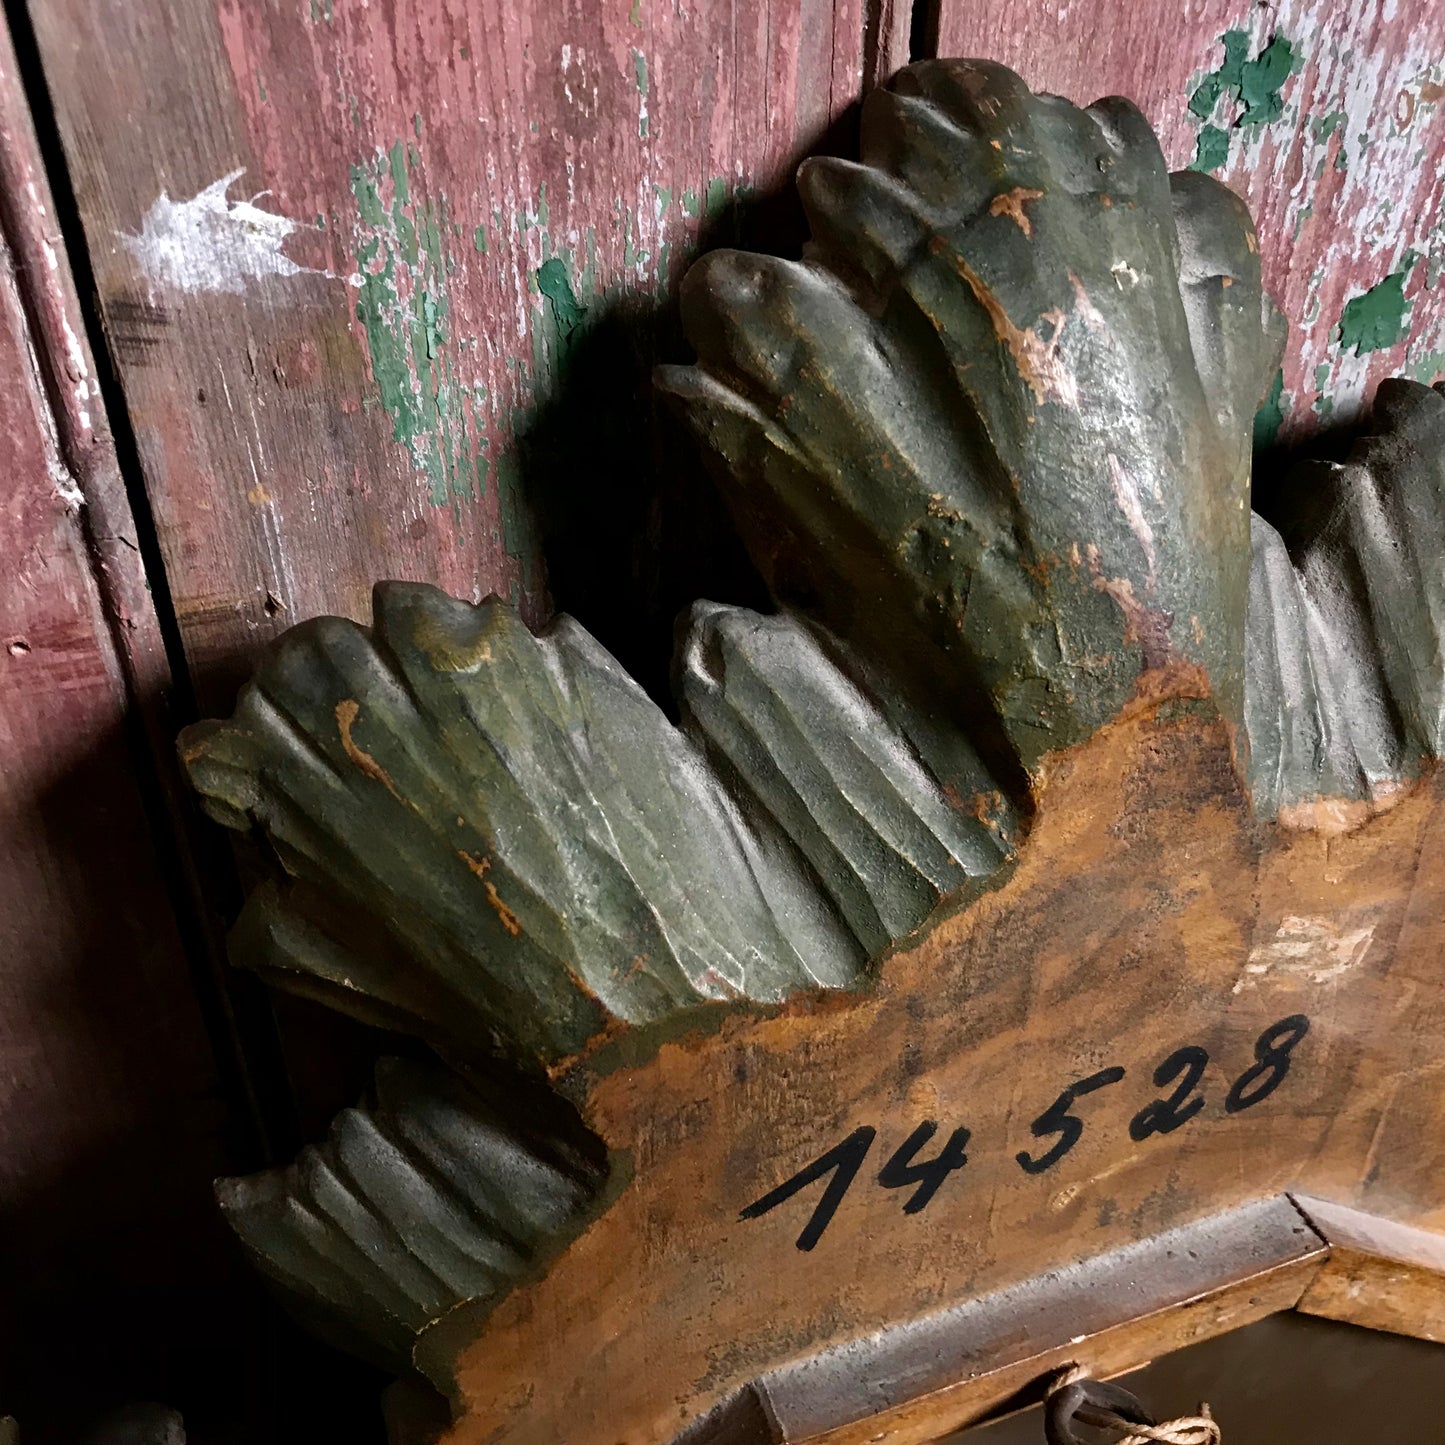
{"points": [[994, 429], [1346, 682], [437, 1190], [989, 444], [498, 838]]}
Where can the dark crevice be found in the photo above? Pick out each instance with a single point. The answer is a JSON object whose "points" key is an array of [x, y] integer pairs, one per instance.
{"points": [[196, 866], [923, 30]]}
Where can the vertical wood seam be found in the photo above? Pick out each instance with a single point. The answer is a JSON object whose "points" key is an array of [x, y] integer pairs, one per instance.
{"points": [[100, 455]]}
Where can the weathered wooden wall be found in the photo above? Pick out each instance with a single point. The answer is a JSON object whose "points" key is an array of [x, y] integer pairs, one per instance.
{"points": [[112, 1119], [349, 254], [1325, 115]]}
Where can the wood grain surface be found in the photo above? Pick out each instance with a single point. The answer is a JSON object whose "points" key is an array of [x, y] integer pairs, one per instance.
{"points": [[422, 311], [110, 1117], [1148, 913], [1325, 115], [1380, 1275]]}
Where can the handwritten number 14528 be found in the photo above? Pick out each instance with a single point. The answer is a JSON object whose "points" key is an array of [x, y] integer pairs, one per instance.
{"points": [[1181, 1073]]}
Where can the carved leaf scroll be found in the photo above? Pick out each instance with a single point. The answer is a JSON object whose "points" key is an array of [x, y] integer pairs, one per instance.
{"points": [[988, 442], [993, 429], [1345, 693]]}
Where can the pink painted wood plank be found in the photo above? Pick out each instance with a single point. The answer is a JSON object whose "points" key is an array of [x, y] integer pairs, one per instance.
{"points": [[327, 358], [1345, 180], [110, 1122]]}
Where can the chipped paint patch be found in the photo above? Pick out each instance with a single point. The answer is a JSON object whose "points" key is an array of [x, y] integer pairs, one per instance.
{"points": [[639, 75], [1427, 367], [1253, 86], [1348, 174], [1211, 149], [1012, 203], [213, 244], [1315, 948], [1270, 416], [1036, 358], [554, 283], [1380, 316], [405, 310], [1128, 501], [347, 711], [1241, 91]]}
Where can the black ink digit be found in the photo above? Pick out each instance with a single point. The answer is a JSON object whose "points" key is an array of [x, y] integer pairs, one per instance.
{"points": [[900, 1171], [1272, 1050], [1164, 1116], [1056, 1119], [844, 1160]]}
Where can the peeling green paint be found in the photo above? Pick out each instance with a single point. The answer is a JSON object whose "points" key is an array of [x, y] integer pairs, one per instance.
{"points": [[1218, 82], [664, 199], [1252, 87], [1254, 84], [1262, 81], [1428, 367], [1326, 125], [479, 240], [554, 283], [689, 202], [1270, 416], [639, 73], [716, 198], [1211, 150], [1378, 318], [634, 15], [404, 309]]}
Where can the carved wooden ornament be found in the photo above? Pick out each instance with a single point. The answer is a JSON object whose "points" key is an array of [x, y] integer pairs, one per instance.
{"points": [[1018, 922]]}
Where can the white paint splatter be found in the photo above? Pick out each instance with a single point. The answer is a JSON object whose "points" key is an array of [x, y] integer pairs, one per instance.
{"points": [[1319, 949], [78, 371], [210, 243]]}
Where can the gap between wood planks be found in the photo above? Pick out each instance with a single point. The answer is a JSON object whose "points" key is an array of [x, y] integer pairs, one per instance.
{"points": [[197, 869]]}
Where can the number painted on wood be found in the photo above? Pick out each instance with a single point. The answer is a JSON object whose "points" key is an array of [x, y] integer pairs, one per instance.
{"points": [[1056, 1119], [1164, 1116], [900, 1171], [843, 1161], [1182, 1073], [1272, 1050]]}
